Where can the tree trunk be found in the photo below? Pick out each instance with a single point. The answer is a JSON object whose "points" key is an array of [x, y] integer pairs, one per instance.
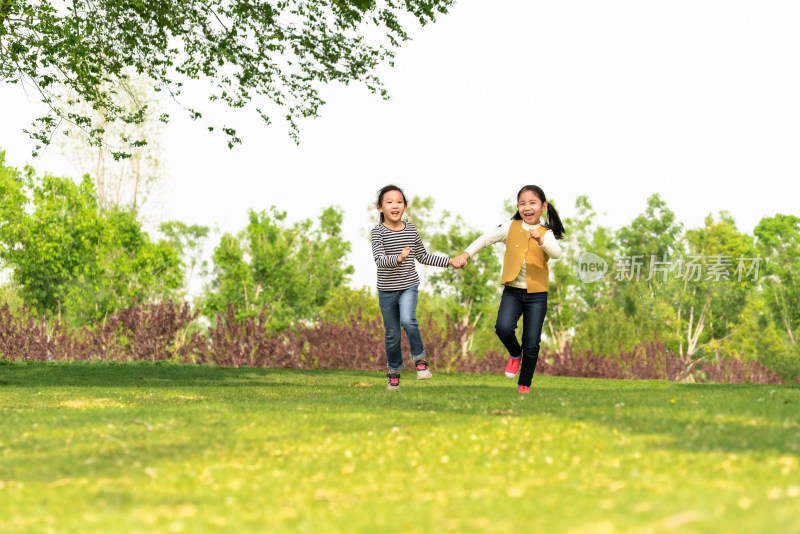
{"points": [[789, 331], [693, 336], [137, 177], [99, 179]]}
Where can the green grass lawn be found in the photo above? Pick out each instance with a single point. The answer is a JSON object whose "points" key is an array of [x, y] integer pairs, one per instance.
{"points": [[171, 448]]}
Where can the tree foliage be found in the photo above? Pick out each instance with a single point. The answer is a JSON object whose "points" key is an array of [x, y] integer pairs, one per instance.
{"points": [[276, 54], [652, 233], [779, 243], [69, 258], [684, 288], [344, 303], [718, 243], [291, 270], [570, 299], [756, 336]]}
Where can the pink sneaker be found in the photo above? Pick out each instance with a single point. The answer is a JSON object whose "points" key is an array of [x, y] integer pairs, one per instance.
{"points": [[523, 389], [512, 367], [394, 381]]}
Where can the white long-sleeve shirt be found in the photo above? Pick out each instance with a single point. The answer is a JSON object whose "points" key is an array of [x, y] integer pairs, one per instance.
{"points": [[496, 235]]}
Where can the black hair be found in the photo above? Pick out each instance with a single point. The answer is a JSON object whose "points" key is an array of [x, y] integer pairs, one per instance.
{"points": [[553, 221], [385, 190]]}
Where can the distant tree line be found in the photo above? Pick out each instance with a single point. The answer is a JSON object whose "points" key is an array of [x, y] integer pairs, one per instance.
{"points": [[707, 294]]}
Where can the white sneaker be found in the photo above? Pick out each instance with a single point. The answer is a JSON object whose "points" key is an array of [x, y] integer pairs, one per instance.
{"points": [[423, 372]]}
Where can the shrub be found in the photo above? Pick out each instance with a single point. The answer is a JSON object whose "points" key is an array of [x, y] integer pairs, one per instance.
{"points": [[149, 332], [168, 331]]}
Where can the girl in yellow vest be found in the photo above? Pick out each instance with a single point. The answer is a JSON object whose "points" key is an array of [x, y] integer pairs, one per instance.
{"points": [[529, 245]]}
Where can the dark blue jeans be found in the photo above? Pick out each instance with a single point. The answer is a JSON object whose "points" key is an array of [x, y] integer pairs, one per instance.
{"points": [[399, 309], [532, 307]]}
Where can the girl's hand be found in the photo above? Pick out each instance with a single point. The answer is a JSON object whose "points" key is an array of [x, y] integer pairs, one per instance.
{"points": [[459, 262], [537, 236], [404, 254]]}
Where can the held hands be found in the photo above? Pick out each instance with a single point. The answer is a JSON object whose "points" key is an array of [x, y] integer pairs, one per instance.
{"points": [[404, 254], [537, 236], [459, 262]]}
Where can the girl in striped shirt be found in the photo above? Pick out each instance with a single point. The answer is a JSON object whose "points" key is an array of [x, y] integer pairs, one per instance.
{"points": [[395, 246]]}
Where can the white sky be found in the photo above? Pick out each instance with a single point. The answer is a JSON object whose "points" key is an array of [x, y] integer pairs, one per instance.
{"points": [[696, 100]]}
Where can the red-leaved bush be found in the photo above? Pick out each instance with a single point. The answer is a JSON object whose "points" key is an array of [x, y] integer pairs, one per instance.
{"points": [[168, 331], [148, 332], [234, 342], [24, 337], [356, 345]]}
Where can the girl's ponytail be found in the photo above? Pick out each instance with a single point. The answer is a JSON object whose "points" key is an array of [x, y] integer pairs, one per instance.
{"points": [[554, 221]]}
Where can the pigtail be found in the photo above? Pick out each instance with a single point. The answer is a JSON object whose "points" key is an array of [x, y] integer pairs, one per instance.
{"points": [[554, 221]]}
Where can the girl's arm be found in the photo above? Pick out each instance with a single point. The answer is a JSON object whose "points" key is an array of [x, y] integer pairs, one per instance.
{"points": [[551, 246], [491, 237], [421, 255], [378, 252]]}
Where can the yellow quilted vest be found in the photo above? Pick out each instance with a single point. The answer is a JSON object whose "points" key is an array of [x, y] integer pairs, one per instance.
{"points": [[519, 245]]}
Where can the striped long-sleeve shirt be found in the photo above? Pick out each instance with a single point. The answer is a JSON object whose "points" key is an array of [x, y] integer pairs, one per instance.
{"points": [[386, 248]]}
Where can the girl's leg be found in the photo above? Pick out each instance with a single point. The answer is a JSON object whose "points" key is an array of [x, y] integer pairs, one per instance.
{"points": [[390, 311], [532, 322], [408, 319], [507, 317]]}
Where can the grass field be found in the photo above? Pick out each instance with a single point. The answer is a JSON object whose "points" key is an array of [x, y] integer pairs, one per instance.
{"points": [[170, 448]]}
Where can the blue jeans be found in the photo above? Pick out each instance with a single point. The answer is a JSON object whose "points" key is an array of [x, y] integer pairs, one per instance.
{"points": [[532, 307], [399, 309]]}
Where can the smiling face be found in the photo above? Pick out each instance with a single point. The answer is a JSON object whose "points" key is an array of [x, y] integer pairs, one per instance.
{"points": [[530, 207], [392, 206]]}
